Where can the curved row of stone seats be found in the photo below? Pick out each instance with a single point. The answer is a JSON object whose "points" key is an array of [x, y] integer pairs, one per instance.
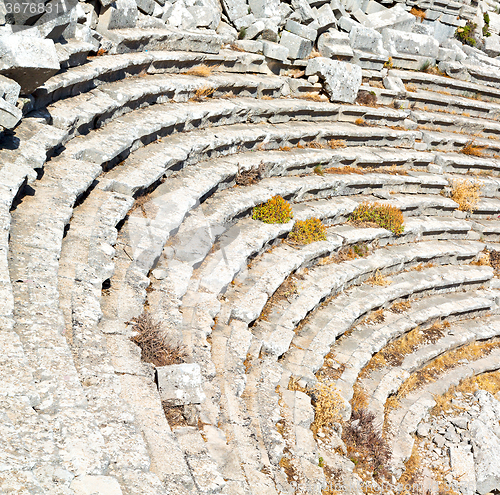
{"points": [[386, 381], [464, 164], [81, 441], [468, 71], [353, 353], [403, 421], [325, 325], [448, 85]]}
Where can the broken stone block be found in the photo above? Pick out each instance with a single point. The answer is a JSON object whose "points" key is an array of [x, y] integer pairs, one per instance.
{"points": [[275, 51], [120, 14], [304, 10], [270, 31], [254, 30], [298, 48], [487, 462], [341, 79], [244, 22], [180, 384], [146, 6], [492, 45], [394, 83], [10, 115], [9, 90], [462, 466], [414, 44], [395, 18], [367, 40], [28, 61], [334, 44], [325, 18], [235, 9], [300, 30], [264, 8]]}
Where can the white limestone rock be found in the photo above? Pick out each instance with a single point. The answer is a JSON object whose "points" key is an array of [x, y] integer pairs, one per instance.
{"points": [[342, 80], [367, 40], [235, 9], [275, 51], [492, 45], [298, 47], [96, 485], [395, 18], [180, 384], [411, 43], [10, 115], [119, 15], [28, 61], [306, 32], [264, 8], [9, 90]]}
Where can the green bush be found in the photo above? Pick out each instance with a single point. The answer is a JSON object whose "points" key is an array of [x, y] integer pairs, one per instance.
{"points": [[275, 210], [465, 34]]}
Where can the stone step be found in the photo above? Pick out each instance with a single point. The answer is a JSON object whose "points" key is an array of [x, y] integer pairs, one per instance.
{"points": [[108, 68], [73, 53], [386, 381], [449, 141], [404, 420], [436, 83], [355, 354], [328, 280], [316, 337], [464, 164], [90, 110]]}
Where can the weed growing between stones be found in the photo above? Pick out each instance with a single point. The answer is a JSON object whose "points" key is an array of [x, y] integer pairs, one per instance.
{"points": [[307, 231], [275, 210], [367, 98], [471, 150], [199, 71], [328, 406], [252, 176], [202, 94], [418, 13], [466, 34], [378, 279], [386, 217], [336, 143], [155, 346], [466, 193], [400, 307], [346, 253]]}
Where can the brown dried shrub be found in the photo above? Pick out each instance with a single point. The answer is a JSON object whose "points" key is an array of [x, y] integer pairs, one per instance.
{"points": [[156, 347], [367, 98]]}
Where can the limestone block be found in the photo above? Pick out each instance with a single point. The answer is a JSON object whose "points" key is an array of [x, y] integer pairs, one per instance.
{"points": [[325, 18], [414, 44], [333, 43], [446, 55], [394, 83], [9, 90], [235, 9], [275, 51], [255, 29], [342, 80], [244, 22], [494, 22], [264, 8], [395, 18], [367, 40], [306, 32], [179, 16], [120, 14], [28, 61], [180, 384], [462, 465], [487, 462], [298, 48], [304, 10], [10, 115], [146, 6], [492, 45]]}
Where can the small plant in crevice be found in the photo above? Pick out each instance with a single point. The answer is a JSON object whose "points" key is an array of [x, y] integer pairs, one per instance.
{"points": [[388, 64], [251, 176], [156, 347], [307, 231], [199, 71], [418, 13], [242, 33], [275, 210], [425, 66], [328, 406], [465, 34], [486, 27], [466, 194], [386, 217], [202, 94], [318, 170], [470, 150], [367, 98], [378, 279]]}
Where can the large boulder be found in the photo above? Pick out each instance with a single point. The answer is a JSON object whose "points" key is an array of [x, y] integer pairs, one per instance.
{"points": [[341, 79], [28, 61]]}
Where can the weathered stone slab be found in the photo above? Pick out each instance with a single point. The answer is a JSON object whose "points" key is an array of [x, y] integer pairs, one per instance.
{"points": [[10, 115], [28, 61], [396, 18], [412, 43], [298, 47], [180, 384], [9, 90], [119, 15], [342, 80]]}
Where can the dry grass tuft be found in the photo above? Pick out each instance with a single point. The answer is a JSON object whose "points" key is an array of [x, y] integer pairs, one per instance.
{"points": [[336, 143], [418, 13], [400, 307], [312, 97], [156, 348], [346, 253], [202, 94], [174, 415], [275, 210], [378, 279], [328, 405], [199, 71], [347, 169], [466, 193], [284, 292], [307, 231], [252, 176], [386, 217], [471, 150], [374, 317]]}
